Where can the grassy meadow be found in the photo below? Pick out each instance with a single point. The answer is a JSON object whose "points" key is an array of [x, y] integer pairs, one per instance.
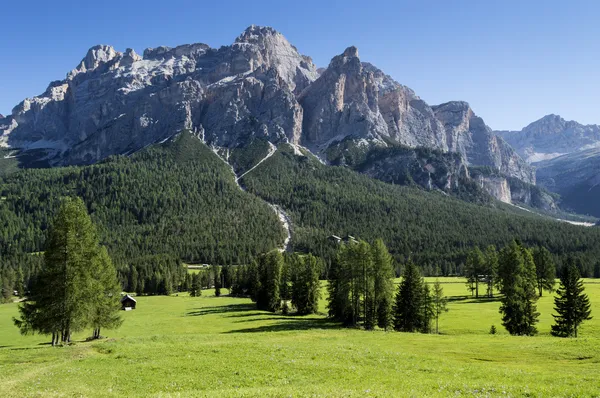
{"points": [[181, 346]]}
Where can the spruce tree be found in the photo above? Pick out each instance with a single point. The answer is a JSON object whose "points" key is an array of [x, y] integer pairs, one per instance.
{"points": [[196, 286], [216, 270], [268, 281], [545, 269], [571, 303], [517, 283], [410, 313]]}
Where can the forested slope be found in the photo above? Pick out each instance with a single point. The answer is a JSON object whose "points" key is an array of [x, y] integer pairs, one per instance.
{"points": [[436, 230], [177, 198]]}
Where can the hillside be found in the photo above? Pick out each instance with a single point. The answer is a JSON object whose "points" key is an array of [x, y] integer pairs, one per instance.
{"points": [[175, 198], [179, 198], [430, 227]]}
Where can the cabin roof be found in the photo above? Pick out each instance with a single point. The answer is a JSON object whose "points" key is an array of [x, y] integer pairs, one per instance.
{"points": [[128, 297]]}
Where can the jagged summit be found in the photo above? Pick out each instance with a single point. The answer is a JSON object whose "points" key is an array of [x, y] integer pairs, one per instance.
{"points": [[551, 137], [260, 86], [255, 34]]}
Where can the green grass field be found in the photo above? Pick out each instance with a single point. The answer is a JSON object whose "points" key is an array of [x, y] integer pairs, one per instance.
{"points": [[181, 346]]}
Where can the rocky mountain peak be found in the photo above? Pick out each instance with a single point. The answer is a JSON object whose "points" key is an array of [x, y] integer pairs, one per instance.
{"points": [[255, 34], [347, 62], [96, 56], [549, 124]]}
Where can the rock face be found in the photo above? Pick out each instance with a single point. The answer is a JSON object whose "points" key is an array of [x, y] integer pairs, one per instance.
{"points": [[115, 102], [576, 177], [550, 137], [467, 134], [260, 87]]}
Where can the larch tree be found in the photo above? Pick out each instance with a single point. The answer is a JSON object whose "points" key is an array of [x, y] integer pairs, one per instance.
{"points": [[571, 303], [107, 294], [306, 288], [474, 267], [383, 265], [439, 302], [67, 296], [545, 269], [491, 268]]}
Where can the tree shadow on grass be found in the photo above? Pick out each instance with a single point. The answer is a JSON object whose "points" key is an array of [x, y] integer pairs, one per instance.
{"points": [[472, 300], [290, 323], [221, 309]]}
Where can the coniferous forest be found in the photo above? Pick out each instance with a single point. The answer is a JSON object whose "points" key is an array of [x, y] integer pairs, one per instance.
{"points": [[178, 202]]}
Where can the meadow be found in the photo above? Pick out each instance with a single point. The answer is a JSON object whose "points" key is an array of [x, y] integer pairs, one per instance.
{"points": [[181, 346]]}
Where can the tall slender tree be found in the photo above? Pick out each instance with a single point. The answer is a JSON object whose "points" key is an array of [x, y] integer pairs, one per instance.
{"points": [[440, 303], [383, 266], [106, 294], [474, 267], [306, 288], [67, 297], [517, 283], [491, 268], [545, 269], [571, 303]]}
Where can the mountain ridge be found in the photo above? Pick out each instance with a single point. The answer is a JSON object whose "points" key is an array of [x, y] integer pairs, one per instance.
{"points": [[259, 87]]}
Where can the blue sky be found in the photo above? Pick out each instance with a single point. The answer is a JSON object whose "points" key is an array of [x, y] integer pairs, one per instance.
{"points": [[513, 61]]}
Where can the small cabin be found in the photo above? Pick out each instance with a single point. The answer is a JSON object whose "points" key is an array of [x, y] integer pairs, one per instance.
{"points": [[128, 303]]}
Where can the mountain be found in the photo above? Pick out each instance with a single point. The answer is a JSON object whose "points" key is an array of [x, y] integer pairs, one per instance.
{"points": [[576, 177], [566, 155], [551, 137], [236, 98]]}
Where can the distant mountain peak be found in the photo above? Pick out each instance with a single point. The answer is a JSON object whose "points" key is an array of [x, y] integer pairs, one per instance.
{"points": [[256, 33]]}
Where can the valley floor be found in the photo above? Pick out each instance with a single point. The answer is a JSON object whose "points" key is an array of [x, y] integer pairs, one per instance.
{"points": [[208, 346]]}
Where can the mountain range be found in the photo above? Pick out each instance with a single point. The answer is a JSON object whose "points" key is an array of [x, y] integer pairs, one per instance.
{"points": [[258, 88], [566, 156]]}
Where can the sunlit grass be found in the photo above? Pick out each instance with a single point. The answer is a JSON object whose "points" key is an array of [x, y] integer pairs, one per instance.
{"points": [[184, 346]]}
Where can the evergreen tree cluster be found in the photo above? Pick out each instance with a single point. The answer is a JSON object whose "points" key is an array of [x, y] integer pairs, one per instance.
{"points": [[361, 285], [275, 280], [77, 286]]}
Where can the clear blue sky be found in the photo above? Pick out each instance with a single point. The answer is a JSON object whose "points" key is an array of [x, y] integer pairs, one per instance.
{"points": [[513, 61]]}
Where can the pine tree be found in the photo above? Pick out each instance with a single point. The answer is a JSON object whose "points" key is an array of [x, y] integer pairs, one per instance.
{"points": [[440, 303], [268, 281], [517, 283], [545, 269], [571, 303], [410, 312], [384, 283]]}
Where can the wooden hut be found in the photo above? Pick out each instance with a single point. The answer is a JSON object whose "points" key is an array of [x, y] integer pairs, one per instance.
{"points": [[128, 303]]}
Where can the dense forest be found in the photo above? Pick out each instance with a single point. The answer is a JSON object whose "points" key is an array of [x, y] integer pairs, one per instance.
{"points": [[433, 229], [178, 202]]}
